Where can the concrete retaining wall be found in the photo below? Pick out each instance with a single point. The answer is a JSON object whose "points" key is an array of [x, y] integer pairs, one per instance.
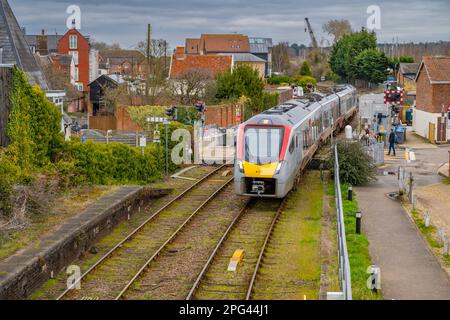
{"points": [[28, 269]]}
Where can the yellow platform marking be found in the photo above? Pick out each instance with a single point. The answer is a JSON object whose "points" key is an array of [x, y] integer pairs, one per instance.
{"points": [[237, 258], [256, 171]]}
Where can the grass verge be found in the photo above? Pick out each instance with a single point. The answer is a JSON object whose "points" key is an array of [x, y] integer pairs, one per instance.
{"points": [[358, 249], [430, 234]]}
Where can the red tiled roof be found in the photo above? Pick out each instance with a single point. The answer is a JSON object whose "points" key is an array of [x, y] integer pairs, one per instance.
{"points": [[436, 67], [193, 46], [225, 43], [212, 64]]}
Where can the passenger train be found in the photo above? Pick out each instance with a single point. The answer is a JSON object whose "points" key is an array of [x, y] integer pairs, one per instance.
{"points": [[274, 147]]}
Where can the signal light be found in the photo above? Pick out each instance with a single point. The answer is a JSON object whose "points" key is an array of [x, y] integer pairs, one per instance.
{"points": [[200, 106], [171, 112]]}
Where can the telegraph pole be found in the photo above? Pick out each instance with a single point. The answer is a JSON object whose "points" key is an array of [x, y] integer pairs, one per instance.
{"points": [[149, 32]]}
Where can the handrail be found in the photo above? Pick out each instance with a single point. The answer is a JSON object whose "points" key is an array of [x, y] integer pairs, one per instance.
{"points": [[344, 264]]}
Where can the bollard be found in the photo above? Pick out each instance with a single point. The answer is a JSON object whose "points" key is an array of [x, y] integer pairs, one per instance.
{"points": [[358, 222], [446, 246], [427, 218], [350, 193], [440, 236]]}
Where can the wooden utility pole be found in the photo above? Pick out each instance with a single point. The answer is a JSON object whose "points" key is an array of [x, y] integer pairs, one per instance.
{"points": [[149, 32], [147, 89]]}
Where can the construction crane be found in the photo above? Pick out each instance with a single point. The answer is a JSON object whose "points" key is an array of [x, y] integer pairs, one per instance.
{"points": [[311, 34]]}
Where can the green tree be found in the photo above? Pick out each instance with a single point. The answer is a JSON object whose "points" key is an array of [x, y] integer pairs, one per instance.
{"points": [[371, 65], [243, 80], [355, 165], [305, 69], [346, 49]]}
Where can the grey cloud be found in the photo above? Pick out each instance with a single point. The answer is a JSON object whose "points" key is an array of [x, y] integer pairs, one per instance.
{"points": [[125, 21]]}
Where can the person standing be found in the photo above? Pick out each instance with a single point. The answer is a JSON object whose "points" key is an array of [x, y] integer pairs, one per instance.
{"points": [[392, 139]]}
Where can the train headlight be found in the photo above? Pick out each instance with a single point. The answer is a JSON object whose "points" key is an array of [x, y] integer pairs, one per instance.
{"points": [[241, 166], [280, 166]]}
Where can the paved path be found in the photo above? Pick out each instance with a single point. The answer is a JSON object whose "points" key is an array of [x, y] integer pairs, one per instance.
{"points": [[408, 269]]}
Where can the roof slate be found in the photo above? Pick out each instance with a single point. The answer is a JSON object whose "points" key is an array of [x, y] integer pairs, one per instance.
{"points": [[16, 49]]}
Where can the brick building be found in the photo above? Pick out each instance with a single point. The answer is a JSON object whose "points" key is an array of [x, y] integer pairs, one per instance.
{"points": [[123, 62], [210, 64], [433, 99], [218, 43], [77, 45], [215, 53]]}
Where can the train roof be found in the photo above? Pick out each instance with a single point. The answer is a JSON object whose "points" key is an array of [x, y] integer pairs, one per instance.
{"points": [[294, 111]]}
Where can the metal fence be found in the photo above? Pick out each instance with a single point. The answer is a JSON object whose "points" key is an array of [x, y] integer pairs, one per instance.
{"points": [[376, 152], [344, 264], [125, 137]]}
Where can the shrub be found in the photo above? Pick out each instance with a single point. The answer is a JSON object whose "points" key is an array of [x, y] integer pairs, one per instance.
{"points": [[305, 69], [9, 175], [303, 81], [278, 80], [34, 124], [356, 167]]}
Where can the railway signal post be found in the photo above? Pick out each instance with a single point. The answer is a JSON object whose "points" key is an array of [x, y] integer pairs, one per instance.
{"points": [[166, 124]]}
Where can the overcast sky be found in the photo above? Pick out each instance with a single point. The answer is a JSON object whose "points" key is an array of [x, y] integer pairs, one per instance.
{"points": [[125, 21]]}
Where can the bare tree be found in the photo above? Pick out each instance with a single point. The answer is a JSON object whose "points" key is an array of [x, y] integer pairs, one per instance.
{"points": [[280, 57], [113, 97], [193, 85], [157, 69], [104, 46], [337, 28]]}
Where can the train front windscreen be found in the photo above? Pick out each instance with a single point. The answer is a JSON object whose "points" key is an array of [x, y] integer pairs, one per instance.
{"points": [[263, 145]]}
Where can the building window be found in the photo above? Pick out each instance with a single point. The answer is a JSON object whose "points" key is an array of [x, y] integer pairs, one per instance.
{"points": [[79, 86], [73, 42], [74, 54], [76, 75]]}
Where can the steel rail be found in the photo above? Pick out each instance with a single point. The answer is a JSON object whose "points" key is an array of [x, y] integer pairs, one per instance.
{"points": [[263, 248], [171, 238], [194, 288], [130, 236]]}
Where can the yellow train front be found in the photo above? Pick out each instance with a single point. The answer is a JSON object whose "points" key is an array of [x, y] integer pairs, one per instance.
{"points": [[272, 146]]}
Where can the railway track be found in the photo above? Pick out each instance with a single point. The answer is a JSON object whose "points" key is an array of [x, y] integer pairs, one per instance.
{"points": [[251, 231], [112, 275]]}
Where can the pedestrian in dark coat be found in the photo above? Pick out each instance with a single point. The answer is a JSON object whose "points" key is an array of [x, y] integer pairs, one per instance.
{"points": [[392, 140]]}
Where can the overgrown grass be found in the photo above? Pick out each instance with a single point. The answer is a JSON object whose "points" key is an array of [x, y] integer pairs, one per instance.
{"points": [[63, 207], [430, 235], [358, 249]]}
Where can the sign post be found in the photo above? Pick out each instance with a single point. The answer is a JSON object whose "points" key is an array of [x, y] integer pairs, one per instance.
{"points": [[142, 143]]}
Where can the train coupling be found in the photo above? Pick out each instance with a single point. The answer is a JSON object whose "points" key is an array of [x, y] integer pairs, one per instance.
{"points": [[258, 187]]}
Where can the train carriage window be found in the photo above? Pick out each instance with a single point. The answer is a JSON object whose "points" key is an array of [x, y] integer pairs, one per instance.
{"points": [[291, 146]]}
